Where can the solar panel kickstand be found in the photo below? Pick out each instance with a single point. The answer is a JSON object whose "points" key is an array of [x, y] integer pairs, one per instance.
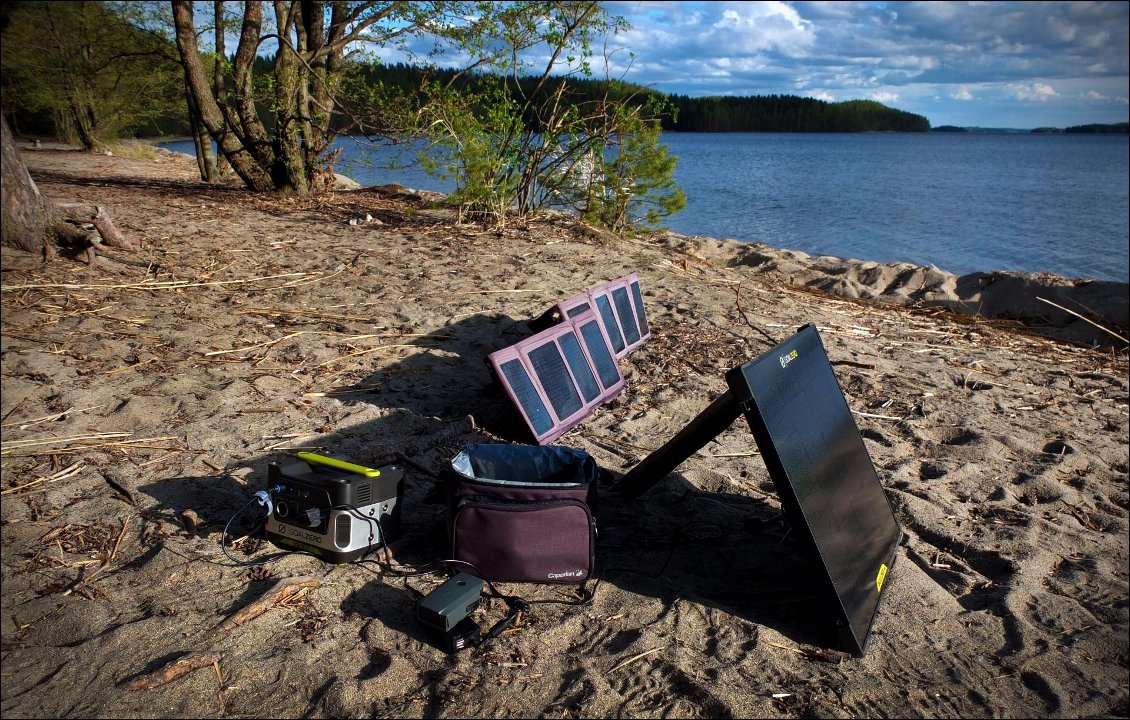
{"points": [[546, 320], [720, 415]]}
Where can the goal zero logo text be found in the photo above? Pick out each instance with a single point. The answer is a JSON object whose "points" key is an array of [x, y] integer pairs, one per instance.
{"points": [[786, 359]]}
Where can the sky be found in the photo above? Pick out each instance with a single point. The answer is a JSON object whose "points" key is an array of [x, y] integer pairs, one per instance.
{"points": [[971, 64]]}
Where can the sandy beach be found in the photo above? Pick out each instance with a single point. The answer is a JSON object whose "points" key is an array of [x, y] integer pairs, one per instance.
{"points": [[145, 393]]}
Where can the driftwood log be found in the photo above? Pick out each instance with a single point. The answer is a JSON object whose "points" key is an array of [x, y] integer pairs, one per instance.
{"points": [[173, 670], [96, 227], [282, 591]]}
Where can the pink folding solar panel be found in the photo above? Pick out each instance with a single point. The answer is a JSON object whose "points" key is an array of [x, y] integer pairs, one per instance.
{"points": [[619, 305], [558, 376]]}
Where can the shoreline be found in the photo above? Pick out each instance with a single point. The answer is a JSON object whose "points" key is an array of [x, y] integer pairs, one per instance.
{"points": [[1111, 274], [1087, 311]]}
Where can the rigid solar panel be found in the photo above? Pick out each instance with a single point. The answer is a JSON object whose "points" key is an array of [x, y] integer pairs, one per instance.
{"points": [[556, 377], [823, 473], [619, 305]]}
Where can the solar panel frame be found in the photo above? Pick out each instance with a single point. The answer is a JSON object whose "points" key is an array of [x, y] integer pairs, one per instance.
{"points": [[622, 326], [521, 351]]}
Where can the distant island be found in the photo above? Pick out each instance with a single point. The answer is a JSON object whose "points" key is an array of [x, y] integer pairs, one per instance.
{"points": [[720, 113], [786, 113], [1094, 128]]}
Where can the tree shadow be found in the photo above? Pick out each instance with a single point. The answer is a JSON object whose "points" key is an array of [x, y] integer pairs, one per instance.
{"points": [[431, 403]]}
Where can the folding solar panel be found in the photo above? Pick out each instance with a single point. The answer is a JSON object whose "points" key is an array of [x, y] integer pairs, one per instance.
{"points": [[556, 377], [619, 305], [815, 455]]}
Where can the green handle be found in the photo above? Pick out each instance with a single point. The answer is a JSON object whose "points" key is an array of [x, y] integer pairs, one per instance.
{"points": [[338, 464]]}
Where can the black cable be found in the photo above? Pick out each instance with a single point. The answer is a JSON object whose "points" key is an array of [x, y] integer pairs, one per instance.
{"points": [[224, 535]]}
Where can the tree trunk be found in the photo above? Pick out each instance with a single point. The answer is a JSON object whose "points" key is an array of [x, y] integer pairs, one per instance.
{"points": [[32, 222], [247, 150], [29, 219], [218, 84], [205, 158]]}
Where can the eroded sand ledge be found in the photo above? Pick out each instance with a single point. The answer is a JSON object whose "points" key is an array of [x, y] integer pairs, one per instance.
{"points": [[995, 294]]}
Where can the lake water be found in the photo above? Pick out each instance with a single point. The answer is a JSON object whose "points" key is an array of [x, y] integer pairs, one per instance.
{"points": [[963, 203]]}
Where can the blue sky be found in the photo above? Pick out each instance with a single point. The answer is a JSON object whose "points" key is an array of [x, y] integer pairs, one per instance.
{"points": [[991, 64]]}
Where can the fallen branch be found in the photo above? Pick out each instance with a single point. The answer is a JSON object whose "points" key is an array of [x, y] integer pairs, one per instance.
{"points": [[173, 670], [282, 591]]}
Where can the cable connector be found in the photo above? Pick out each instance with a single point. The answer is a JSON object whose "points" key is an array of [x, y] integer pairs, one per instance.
{"points": [[517, 607], [264, 499]]}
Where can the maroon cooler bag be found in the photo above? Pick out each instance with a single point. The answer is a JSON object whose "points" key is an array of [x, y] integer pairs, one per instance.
{"points": [[523, 513]]}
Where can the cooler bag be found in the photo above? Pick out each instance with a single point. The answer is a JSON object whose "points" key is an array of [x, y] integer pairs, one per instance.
{"points": [[523, 513]]}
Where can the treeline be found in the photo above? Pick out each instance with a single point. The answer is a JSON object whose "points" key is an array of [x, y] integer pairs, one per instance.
{"points": [[680, 113], [1090, 129], [1113, 128], [1096, 128], [787, 113]]}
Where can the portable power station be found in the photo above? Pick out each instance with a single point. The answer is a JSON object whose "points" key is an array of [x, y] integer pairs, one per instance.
{"points": [[333, 508]]}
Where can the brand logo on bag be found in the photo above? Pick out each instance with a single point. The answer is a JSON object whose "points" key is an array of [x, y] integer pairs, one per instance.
{"points": [[786, 359], [566, 574]]}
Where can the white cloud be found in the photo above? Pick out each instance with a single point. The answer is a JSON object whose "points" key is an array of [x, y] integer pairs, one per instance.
{"points": [[885, 97], [961, 93], [1040, 92]]}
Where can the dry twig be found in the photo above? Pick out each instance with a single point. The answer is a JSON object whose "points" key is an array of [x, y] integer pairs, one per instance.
{"points": [[281, 592], [175, 669]]}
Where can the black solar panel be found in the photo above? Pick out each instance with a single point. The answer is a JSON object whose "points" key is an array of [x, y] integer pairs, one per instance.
{"points": [[815, 455], [823, 473]]}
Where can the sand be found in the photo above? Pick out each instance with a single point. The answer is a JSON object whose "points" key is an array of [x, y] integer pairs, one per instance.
{"points": [[144, 395]]}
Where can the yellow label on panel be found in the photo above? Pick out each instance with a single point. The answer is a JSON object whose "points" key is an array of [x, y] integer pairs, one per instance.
{"points": [[880, 577]]}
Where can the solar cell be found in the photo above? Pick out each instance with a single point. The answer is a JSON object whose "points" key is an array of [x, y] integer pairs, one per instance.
{"points": [[523, 392], [626, 315], [600, 354], [549, 367]]}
